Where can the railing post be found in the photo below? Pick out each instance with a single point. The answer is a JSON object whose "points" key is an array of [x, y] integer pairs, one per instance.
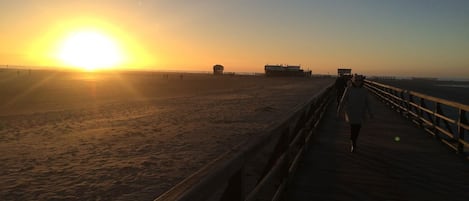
{"points": [[461, 120], [422, 104], [234, 191], [436, 119], [279, 148], [411, 106], [383, 95], [284, 169], [300, 122], [389, 97], [407, 100], [401, 102]]}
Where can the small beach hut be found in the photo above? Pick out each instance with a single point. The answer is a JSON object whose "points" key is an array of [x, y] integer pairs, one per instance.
{"points": [[218, 69]]}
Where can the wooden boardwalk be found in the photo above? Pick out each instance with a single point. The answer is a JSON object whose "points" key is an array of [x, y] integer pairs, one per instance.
{"points": [[418, 167]]}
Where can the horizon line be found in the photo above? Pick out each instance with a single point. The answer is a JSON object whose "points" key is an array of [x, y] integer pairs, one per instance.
{"points": [[149, 69]]}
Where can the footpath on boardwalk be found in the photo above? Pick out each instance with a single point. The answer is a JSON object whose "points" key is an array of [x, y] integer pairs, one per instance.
{"points": [[395, 160]]}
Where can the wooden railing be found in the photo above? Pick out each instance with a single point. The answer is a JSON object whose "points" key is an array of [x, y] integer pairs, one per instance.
{"points": [[444, 119], [260, 168]]}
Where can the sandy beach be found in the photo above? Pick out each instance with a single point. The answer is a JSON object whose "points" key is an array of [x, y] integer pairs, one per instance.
{"points": [[127, 136]]}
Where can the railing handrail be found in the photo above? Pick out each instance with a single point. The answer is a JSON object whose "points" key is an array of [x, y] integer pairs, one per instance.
{"points": [[421, 95], [209, 179], [403, 101]]}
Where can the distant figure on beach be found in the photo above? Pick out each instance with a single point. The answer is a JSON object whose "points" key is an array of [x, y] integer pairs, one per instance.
{"points": [[340, 85], [356, 105]]}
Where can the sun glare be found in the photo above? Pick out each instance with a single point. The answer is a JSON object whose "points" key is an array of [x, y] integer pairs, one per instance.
{"points": [[90, 50]]}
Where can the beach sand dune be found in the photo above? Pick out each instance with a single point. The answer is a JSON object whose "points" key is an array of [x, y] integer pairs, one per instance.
{"points": [[127, 136]]}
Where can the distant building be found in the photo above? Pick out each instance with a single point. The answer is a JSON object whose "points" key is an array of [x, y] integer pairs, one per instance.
{"points": [[344, 71], [285, 70], [218, 69]]}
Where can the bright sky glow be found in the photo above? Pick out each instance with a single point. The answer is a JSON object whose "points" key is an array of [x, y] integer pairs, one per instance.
{"points": [[90, 50], [373, 37]]}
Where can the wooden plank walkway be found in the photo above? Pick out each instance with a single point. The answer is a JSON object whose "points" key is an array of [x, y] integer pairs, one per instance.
{"points": [[418, 167]]}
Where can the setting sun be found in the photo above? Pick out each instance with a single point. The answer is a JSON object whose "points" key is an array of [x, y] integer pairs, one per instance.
{"points": [[90, 50]]}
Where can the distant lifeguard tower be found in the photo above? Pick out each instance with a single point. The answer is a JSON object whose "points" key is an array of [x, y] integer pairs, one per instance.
{"points": [[218, 69]]}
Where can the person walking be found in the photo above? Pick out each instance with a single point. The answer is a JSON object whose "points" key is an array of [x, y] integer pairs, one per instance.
{"points": [[356, 104]]}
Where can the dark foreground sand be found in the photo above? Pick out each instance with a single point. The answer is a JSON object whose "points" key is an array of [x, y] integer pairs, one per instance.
{"points": [[128, 136]]}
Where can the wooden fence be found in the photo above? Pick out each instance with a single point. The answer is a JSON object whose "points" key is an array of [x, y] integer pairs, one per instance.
{"points": [[260, 168], [444, 119]]}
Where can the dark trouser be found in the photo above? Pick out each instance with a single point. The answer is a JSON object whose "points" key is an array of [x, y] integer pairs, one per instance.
{"points": [[354, 131]]}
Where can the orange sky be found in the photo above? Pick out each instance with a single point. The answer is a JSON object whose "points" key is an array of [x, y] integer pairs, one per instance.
{"points": [[398, 38]]}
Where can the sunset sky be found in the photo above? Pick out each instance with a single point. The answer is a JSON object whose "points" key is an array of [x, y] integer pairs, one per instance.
{"points": [[373, 37]]}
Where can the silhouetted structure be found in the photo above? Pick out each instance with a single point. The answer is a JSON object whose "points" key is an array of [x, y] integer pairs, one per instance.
{"points": [[344, 72], [285, 70], [218, 69]]}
